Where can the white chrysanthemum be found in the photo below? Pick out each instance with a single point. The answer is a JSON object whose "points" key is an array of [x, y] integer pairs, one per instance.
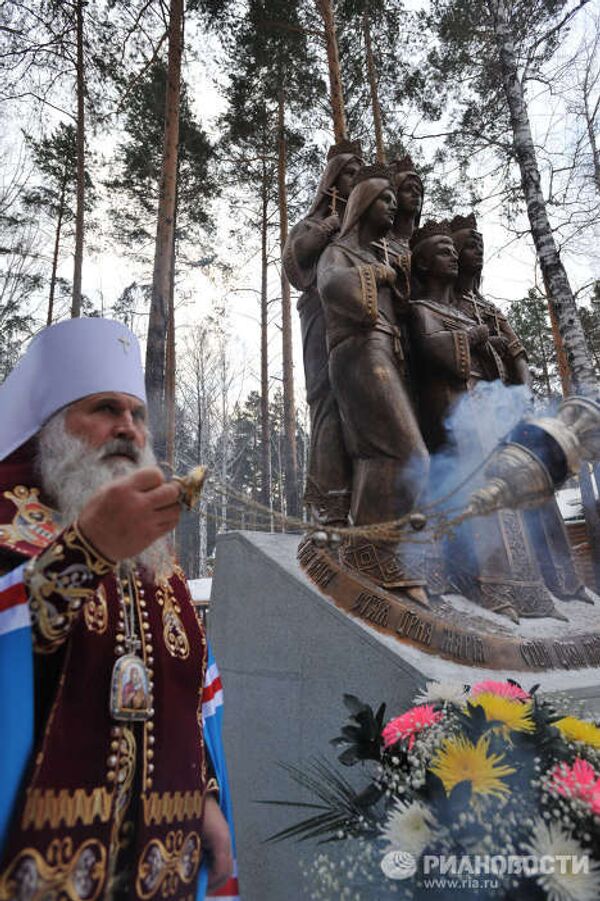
{"points": [[409, 827], [442, 693], [551, 840]]}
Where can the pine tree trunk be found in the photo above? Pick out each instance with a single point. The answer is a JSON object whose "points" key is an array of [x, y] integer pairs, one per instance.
{"points": [[170, 385], [170, 357], [225, 433], [551, 265], [159, 304], [61, 213], [79, 213], [265, 426], [375, 105], [204, 438], [282, 500], [336, 94], [289, 406], [200, 442]]}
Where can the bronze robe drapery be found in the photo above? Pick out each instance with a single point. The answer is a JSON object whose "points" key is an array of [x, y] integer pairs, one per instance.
{"points": [[545, 525], [366, 363], [491, 559], [329, 476]]}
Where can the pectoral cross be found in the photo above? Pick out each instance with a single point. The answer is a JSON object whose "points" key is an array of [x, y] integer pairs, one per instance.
{"points": [[133, 644], [386, 254], [334, 196]]}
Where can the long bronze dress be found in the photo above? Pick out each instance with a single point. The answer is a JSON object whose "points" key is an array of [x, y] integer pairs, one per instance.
{"points": [[329, 476], [544, 524], [490, 560], [366, 369]]}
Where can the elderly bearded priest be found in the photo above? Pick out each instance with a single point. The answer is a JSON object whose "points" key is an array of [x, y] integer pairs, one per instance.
{"points": [[116, 797]]}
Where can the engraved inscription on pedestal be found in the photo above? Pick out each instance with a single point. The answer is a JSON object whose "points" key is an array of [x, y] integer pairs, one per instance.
{"points": [[466, 639]]}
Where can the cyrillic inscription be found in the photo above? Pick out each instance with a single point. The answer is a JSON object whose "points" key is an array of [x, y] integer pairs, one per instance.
{"points": [[413, 627], [372, 607], [464, 647], [536, 654]]}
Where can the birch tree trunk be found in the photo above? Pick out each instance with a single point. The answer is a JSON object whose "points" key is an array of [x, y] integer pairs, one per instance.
{"points": [[553, 271], [57, 236], [336, 94], [372, 76], [80, 143], [159, 305], [265, 426], [561, 355], [289, 405]]}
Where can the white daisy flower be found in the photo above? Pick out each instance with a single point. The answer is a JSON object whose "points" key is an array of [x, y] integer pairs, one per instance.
{"points": [[442, 693], [566, 883], [409, 827]]}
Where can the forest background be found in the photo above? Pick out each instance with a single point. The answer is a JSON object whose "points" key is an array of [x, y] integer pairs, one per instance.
{"points": [[154, 154]]}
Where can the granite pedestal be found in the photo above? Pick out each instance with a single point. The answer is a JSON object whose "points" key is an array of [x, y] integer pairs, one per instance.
{"points": [[287, 655]]}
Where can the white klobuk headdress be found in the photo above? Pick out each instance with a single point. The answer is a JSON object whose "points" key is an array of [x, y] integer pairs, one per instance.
{"points": [[64, 363]]}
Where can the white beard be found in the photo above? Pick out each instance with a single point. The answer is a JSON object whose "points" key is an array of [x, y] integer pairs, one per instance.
{"points": [[71, 471]]}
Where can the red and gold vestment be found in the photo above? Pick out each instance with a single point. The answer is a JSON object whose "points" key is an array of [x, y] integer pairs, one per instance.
{"points": [[104, 803]]}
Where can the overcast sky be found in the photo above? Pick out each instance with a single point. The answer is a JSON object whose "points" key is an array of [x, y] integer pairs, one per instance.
{"points": [[509, 267]]}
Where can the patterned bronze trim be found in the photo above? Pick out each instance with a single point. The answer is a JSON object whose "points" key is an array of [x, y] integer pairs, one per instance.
{"points": [[368, 285], [462, 354]]}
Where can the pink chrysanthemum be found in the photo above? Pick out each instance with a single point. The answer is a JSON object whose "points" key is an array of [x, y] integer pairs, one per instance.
{"points": [[502, 689], [578, 781], [407, 726]]}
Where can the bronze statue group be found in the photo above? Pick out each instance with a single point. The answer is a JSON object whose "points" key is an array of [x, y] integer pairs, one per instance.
{"points": [[395, 334]]}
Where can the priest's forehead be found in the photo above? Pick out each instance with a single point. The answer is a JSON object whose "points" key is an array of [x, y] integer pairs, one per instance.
{"points": [[117, 400]]}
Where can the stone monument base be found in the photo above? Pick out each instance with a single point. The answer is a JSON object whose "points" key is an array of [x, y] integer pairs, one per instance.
{"points": [[287, 655]]}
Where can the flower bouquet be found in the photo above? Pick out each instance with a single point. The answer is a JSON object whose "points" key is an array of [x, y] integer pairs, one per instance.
{"points": [[480, 792]]}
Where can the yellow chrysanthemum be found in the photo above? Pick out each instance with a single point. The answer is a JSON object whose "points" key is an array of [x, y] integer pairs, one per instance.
{"points": [[578, 730], [459, 760], [515, 716]]}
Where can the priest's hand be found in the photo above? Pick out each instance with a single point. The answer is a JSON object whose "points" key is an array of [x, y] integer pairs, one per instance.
{"points": [[217, 842], [124, 517]]}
